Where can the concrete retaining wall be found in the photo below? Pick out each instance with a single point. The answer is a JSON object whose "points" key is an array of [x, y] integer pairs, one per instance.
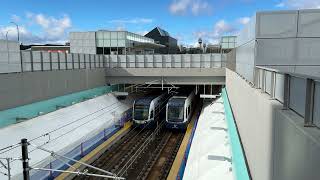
{"points": [[276, 144], [18, 89]]}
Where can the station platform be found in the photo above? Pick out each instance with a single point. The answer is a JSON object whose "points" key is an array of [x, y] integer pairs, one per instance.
{"points": [[209, 156], [62, 131]]}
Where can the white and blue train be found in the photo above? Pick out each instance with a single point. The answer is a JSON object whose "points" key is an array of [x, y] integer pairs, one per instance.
{"points": [[150, 110], [179, 110]]}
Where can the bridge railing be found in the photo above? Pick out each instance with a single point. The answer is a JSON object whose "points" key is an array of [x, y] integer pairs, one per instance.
{"points": [[300, 93], [29, 61]]}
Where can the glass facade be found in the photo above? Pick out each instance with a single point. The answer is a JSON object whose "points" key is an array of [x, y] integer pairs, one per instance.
{"points": [[228, 42], [119, 39]]}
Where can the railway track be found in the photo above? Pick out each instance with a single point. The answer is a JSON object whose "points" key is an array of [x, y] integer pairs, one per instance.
{"points": [[140, 154]]}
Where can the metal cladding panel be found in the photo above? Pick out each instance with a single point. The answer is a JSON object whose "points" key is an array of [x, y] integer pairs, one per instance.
{"points": [[308, 51], [37, 66], [69, 65], [123, 61], [279, 87], [149, 61], [131, 61], [87, 65], [46, 57], [195, 62], [216, 60], [309, 23], [248, 33], [177, 60], [26, 56], [81, 65], [297, 94], [245, 64], [186, 59], [106, 61], [75, 58], [82, 56], [87, 58], [167, 61], [36, 56], [27, 67], [9, 68], [158, 61], [297, 51], [69, 58], [62, 57], [206, 61], [140, 61], [277, 24], [92, 60], [96, 61], [316, 108], [76, 65], [114, 60], [46, 66], [268, 81], [54, 57], [55, 66], [101, 61]]}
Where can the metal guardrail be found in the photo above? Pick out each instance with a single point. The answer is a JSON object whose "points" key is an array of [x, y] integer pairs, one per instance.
{"points": [[30, 61], [300, 93]]}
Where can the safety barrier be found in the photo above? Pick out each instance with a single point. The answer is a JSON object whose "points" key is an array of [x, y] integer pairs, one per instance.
{"points": [[239, 166], [31, 61], [300, 93]]}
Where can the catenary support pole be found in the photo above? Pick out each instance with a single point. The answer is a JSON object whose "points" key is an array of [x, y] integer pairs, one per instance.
{"points": [[25, 159]]}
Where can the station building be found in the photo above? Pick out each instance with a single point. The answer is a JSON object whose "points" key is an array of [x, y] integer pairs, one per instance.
{"points": [[163, 37], [111, 42]]}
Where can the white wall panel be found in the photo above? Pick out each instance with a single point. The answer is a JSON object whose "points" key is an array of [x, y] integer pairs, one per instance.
{"points": [[149, 61], [113, 60], [297, 94], [140, 61], [186, 60], [206, 61], [131, 61], [158, 61], [167, 61], [316, 109], [276, 24], [245, 55], [123, 61], [195, 60], [309, 23], [279, 89], [45, 57], [177, 60]]}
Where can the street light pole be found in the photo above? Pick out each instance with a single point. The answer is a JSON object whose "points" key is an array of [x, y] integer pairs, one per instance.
{"points": [[17, 30], [8, 46]]}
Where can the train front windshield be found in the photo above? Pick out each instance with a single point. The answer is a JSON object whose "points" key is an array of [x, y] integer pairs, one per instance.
{"points": [[175, 113], [141, 112]]}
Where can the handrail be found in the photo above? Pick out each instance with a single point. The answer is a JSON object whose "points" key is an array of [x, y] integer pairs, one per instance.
{"points": [[310, 88]]}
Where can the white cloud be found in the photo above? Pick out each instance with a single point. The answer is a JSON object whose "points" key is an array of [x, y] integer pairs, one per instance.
{"points": [[219, 29], [132, 21], [50, 29], [142, 33], [243, 20], [299, 4], [15, 18], [195, 7]]}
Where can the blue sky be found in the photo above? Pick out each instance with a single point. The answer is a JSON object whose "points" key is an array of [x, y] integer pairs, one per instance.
{"points": [[49, 21]]}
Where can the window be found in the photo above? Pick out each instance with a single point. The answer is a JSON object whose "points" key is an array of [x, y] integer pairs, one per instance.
{"points": [[151, 115], [175, 112], [141, 112]]}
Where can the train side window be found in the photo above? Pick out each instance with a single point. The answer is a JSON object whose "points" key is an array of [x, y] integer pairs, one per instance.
{"points": [[151, 114]]}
